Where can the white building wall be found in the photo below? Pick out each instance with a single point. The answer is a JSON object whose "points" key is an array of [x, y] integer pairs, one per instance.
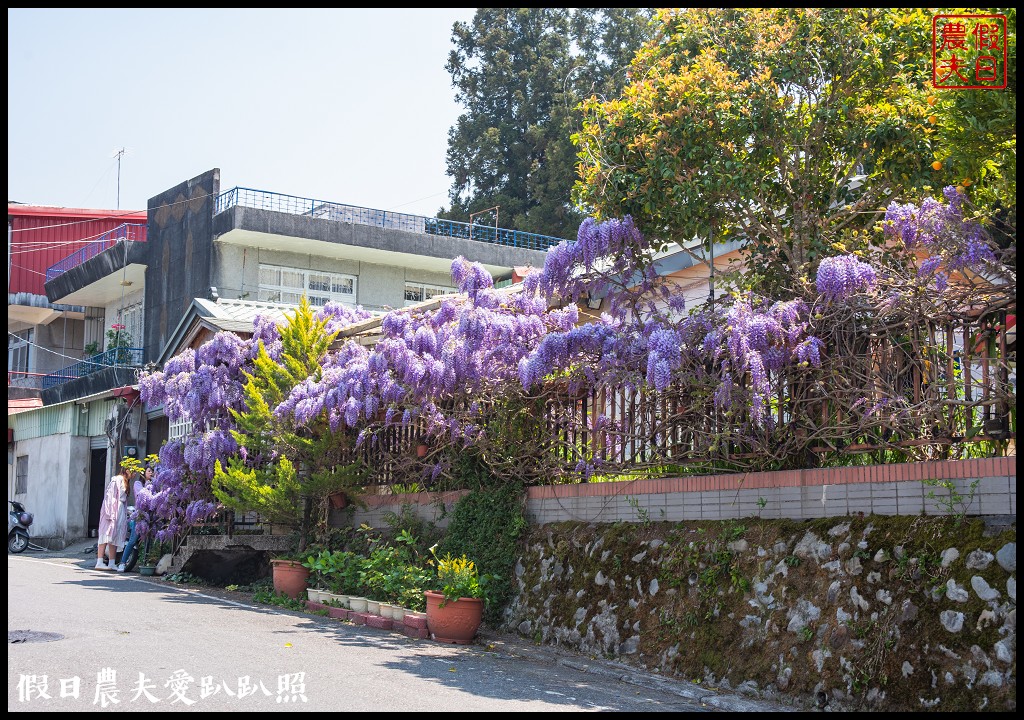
{"points": [[57, 492]]}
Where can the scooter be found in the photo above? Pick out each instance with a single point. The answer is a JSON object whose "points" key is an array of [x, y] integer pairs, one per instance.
{"points": [[18, 522]]}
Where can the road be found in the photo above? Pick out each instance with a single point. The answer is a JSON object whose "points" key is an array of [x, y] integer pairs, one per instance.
{"points": [[131, 643]]}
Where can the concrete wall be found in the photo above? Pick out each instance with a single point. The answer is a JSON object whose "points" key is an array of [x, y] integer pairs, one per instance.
{"points": [[64, 337], [381, 286], [91, 384], [180, 255], [369, 236], [985, 487], [58, 484], [109, 262]]}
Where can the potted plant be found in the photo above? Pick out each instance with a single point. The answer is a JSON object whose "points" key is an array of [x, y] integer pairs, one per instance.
{"points": [[320, 567], [150, 556], [291, 576], [455, 610]]}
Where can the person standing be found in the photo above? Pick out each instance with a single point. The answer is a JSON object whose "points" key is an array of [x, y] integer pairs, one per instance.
{"points": [[143, 481], [113, 528]]}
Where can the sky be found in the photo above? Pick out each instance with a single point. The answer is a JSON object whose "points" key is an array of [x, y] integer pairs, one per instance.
{"points": [[347, 106]]}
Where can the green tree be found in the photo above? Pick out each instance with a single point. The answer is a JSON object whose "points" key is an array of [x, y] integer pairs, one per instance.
{"points": [[520, 73], [792, 128], [281, 469]]}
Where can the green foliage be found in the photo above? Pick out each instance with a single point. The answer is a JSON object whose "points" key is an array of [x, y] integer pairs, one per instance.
{"points": [[486, 525], [269, 597], [392, 571], [792, 127], [284, 467], [519, 73], [423, 533], [458, 578], [184, 578], [953, 502]]}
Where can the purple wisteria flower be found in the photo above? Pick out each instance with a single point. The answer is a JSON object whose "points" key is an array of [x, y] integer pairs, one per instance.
{"points": [[844, 275]]}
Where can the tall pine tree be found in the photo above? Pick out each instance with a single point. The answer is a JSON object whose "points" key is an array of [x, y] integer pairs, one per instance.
{"points": [[520, 74]]}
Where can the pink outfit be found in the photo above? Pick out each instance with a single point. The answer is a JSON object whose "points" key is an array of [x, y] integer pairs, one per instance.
{"points": [[114, 514]]}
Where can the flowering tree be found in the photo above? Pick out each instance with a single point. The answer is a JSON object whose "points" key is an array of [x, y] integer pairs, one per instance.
{"points": [[281, 468], [201, 388]]}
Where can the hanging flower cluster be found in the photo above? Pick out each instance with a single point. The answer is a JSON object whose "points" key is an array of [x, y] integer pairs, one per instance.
{"points": [[843, 276], [464, 348], [951, 240]]}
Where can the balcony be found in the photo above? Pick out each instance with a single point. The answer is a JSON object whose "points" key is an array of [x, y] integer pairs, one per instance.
{"points": [[117, 357], [114, 368], [95, 274], [244, 216]]}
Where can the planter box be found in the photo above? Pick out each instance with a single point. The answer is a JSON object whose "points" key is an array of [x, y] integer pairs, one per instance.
{"points": [[379, 622], [414, 620]]}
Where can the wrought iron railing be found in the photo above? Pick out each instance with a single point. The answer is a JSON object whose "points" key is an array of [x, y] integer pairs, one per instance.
{"points": [[291, 204], [135, 232], [116, 357]]}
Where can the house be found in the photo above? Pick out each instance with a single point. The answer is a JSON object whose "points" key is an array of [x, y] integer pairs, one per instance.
{"points": [[44, 336], [206, 260]]}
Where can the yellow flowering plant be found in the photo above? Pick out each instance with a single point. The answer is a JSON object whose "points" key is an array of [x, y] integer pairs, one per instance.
{"points": [[457, 577]]}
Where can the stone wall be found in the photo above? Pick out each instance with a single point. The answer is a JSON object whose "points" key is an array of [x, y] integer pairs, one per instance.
{"points": [[879, 613], [889, 588]]}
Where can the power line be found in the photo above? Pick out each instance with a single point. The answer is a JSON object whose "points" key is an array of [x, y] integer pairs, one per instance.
{"points": [[46, 349]]}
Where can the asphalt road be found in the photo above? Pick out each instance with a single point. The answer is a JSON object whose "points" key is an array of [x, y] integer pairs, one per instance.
{"points": [[123, 642]]}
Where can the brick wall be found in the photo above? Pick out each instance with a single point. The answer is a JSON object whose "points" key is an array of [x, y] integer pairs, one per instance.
{"points": [[898, 489]]}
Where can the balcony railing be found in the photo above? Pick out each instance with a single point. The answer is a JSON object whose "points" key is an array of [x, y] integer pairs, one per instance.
{"points": [[276, 202], [127, 231], [116, 357], [25, 379]]}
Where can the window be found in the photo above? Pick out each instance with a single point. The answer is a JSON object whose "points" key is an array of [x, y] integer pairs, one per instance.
{"points": [[288, 285], [418, 292], [178, 429], [18, 347], [131, 318], [21, 476]]}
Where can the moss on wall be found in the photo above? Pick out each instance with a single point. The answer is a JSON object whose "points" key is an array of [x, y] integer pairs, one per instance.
{"points": [[882, 613]]}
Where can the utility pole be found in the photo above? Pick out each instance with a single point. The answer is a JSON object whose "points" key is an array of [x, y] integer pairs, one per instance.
{"points": [[118, 155]]}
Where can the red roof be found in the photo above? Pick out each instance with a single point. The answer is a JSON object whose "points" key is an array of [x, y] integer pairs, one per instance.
{"points": [[17, 405], [43, 235], [18, 209]]}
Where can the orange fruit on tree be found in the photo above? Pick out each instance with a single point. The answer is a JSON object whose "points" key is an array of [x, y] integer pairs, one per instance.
{"points": [[932, 99], [936, 165], [966, 182], [932, 119]]}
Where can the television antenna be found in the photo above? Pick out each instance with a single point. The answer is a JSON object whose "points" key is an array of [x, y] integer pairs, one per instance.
{"points": [[119, 154]]}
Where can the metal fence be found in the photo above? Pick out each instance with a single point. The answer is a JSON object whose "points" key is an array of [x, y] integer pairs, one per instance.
{"points": [[127, 231], [339, 212], [117, 357]]}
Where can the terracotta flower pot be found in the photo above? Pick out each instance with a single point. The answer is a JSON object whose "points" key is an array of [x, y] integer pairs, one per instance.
{"points": [[421, 450], [290, 577], [338, 500], [455, 621]]}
